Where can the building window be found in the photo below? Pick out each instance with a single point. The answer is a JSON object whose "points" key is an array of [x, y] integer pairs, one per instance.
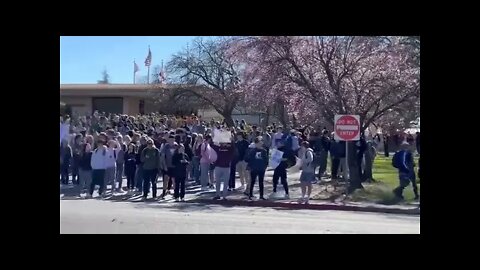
{"points": [[141, 107]]}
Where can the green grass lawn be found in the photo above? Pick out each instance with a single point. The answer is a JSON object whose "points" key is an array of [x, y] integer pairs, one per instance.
{"points": [[387, 179]]}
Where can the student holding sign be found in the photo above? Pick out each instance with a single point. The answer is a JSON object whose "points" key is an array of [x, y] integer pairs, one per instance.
{"points": [[257, 161], [281, 170]]}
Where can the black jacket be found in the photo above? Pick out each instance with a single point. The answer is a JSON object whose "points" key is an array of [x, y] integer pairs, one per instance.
{"points": [[287, 154], [180, 169], [84, 162], [130, 162]]}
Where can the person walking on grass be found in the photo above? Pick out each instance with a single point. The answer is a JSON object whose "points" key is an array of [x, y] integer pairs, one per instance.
{"points": [[403, 161], [180, 161], [307, 177], [257, 160]]}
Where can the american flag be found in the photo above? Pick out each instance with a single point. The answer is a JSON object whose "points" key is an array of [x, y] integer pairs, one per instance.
{"points": [[148, 61], [135, 67]]}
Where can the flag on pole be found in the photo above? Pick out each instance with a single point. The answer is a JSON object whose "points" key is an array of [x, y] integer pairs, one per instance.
{"points": [[162, 76], [135, 67], [148, 61]]}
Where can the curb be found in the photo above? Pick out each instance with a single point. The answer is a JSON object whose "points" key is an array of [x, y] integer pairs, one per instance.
{"points": [[292, 205]]}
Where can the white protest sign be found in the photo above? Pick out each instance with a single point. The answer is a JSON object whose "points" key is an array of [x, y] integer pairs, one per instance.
{"points": [[64, 130], [276, 158], [222, 136]]}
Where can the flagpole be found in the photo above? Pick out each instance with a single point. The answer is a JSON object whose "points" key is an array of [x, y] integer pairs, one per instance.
{"points": [[149, 64], [148, 75]]}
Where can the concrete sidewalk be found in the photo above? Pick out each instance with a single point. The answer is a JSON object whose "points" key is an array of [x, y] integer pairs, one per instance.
{"points": [[237, 198]]}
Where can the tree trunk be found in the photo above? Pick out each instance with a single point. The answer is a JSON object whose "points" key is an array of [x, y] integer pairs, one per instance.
{"points": [[228, 119], [355, 180], [267, 118]]}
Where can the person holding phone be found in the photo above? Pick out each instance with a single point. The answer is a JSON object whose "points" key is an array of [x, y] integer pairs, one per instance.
{"points": [[180, 161]]}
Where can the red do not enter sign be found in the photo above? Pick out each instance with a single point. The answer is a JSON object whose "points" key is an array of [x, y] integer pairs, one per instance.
{"points": [[347, 127]]}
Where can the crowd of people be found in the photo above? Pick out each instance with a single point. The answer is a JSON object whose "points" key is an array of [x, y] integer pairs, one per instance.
{"points": [[101, 149]]}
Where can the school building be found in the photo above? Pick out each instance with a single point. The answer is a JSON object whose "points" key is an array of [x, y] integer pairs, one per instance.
{"points": [[133, 99]]}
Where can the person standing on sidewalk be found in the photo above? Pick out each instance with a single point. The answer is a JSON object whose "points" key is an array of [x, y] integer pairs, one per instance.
{"points": [[130, 167], [122, 149], [241, 146], [151, 159], [196, 158], [139, 171], [281, 170], [166, 154], [85, 168], [204, 163], [77, 148], [307, 177], [99, 164], [225, 152], [257, 160], [65, 158], [111, 169], [180, 161], [403, 161]]}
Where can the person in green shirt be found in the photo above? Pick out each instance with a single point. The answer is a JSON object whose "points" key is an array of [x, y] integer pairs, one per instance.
{"points": [[150, 158]]}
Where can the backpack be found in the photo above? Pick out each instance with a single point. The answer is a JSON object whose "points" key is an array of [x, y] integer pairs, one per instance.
{"points": [[397, 160], [210, 153]]}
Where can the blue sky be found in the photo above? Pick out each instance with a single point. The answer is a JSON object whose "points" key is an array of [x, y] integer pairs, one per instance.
{"points": [[82, 59]]}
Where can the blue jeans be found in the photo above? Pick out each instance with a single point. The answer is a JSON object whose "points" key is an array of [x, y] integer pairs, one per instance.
{"points": [[222, 175], [204, 167], [139, 178], [196, 169]]}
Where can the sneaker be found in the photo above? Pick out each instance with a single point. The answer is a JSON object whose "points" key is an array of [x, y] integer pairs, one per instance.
{"points": [[211, 187], [182, 200], [287, 196], [301, 200], [229, 189], [216, 198], [263, 199], [307, 201], [251, 198]]}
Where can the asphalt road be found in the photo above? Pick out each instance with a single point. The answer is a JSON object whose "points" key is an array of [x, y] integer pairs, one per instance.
{"points": [[105, 217]]}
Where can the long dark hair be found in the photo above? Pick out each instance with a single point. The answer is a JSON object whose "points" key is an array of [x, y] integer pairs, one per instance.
{"points": [[134, 148]]}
